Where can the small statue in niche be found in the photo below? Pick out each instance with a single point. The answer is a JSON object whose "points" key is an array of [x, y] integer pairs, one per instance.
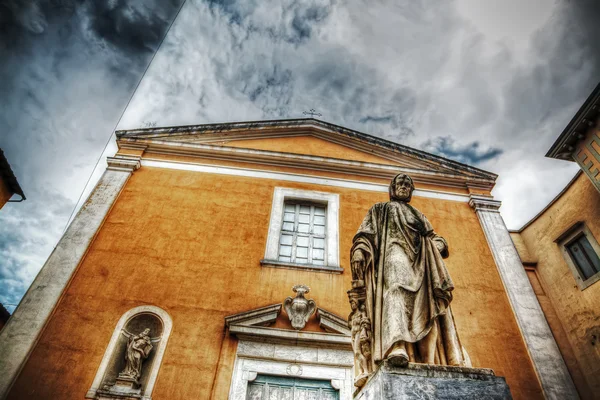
{"points": [[138, 349], [360, 328], [299, 308]]}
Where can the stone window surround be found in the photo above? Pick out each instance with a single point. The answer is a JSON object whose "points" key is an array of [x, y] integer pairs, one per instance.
{"points": [[331, 200], [575, 230], [167, 322]]}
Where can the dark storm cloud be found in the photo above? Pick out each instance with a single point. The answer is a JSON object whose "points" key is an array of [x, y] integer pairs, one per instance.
{"points": [[408, 71], [379, 120], [295, 25], [67, 71], [471, 153]]}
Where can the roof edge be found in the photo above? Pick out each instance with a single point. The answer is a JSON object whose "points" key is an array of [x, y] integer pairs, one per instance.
{"points": [[11, 179], [568, 137], [302, 121], [554, 200]]}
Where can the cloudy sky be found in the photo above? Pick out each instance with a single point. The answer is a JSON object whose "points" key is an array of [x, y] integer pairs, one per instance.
{"points": [[489, 83]]}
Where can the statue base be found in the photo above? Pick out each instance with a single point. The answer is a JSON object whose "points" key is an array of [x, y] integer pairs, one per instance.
{"points": [[423, 381], [125, 388]]}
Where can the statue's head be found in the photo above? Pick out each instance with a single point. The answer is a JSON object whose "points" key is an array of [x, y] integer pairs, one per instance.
{"points": [[401, 188], [146, 332]]}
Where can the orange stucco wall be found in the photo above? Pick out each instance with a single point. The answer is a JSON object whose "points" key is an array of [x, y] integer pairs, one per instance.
{"points": [[5, 192], [309, 145], [191, 243], [578, 325]]}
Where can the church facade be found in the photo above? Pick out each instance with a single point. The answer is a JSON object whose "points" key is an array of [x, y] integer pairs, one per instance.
{"points": [[213, 262]]}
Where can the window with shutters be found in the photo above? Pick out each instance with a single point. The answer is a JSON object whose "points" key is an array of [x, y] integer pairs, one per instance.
{"points": [[303, 231], [581, 251]]}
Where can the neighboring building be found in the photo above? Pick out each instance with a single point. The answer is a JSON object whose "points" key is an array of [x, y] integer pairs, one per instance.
{"points": [[4, 316], [559, 249], [8, 182], [200, 232]]}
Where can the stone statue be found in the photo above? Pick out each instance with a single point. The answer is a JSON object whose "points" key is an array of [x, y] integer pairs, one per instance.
{"points": [[138, 349], [299, 308], [397, 260], [360, 329]]}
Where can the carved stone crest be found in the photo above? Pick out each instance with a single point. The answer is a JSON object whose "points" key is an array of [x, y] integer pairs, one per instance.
{"points": [[299, 309]]}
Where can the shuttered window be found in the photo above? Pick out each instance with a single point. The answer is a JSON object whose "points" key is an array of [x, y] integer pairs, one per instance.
{"points": [[584, 257], [303, 233]]}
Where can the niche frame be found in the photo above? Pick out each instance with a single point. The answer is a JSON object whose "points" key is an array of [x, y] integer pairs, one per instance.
{"points": [[167, 325]]}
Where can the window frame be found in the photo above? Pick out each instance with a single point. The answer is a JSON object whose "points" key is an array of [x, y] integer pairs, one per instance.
{"points": [[567, 238], [296, 234], [331, 203]]}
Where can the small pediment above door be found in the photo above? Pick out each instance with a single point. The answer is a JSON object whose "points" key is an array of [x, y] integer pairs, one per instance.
{"points": [[269, 324]]}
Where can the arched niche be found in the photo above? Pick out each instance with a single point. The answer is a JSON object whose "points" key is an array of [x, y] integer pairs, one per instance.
{"points": [[133, 322]]}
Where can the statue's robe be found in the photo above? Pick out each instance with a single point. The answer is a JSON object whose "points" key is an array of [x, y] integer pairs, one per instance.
{"points": [[407, 284]]}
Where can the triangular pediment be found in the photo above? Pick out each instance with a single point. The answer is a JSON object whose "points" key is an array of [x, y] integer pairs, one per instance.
{"points": [[306, 143], [312, 146], [270, 316]]}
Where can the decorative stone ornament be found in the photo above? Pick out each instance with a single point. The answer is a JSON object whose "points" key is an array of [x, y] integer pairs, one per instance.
{"points": [[299, 309], [360, 327]]}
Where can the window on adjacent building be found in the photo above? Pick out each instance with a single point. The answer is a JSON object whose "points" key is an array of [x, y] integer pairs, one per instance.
{"points": [[303, 233], [582, 253]]}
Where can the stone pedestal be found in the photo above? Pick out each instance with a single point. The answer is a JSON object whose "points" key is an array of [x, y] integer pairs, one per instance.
{"points": [[421, 381], [123, 389]]}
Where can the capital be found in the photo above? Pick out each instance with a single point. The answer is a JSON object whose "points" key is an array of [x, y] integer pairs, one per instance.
{"points": [[123, 163], [484, 203]]}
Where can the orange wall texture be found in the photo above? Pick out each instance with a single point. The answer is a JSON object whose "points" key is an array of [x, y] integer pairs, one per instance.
{"points": [[191, 243], [573, 316]]}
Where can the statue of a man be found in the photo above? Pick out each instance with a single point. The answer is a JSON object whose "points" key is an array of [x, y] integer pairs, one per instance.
{"points": [[396, 258], [138, 349]]}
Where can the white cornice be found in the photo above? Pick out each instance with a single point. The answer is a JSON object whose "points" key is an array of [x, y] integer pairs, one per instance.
{"points": [[303, 178], [327, 164], [123, 163], [346, 137], [257, 333]]}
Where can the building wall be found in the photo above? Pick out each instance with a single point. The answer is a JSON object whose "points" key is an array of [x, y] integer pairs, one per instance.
{"points": [[572, 313], [587, 154], [191, 243], [5, 192]]}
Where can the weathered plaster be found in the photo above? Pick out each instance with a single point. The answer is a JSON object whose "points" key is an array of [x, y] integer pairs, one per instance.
{"points": [[545, 355], [21, 333]]}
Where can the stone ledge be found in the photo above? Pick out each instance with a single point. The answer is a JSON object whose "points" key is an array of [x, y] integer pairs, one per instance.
{"points": [[422, 381], [304, 267]]}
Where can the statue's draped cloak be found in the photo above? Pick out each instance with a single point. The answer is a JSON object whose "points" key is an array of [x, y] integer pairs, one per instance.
{"points": [[407, 283]]}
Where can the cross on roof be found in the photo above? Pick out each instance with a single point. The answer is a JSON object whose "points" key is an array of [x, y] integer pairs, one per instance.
{"points": [[312, 113]]}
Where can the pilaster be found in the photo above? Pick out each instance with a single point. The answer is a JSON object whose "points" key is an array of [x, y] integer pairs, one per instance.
{"points": [[547, 360], [21, 333]]}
